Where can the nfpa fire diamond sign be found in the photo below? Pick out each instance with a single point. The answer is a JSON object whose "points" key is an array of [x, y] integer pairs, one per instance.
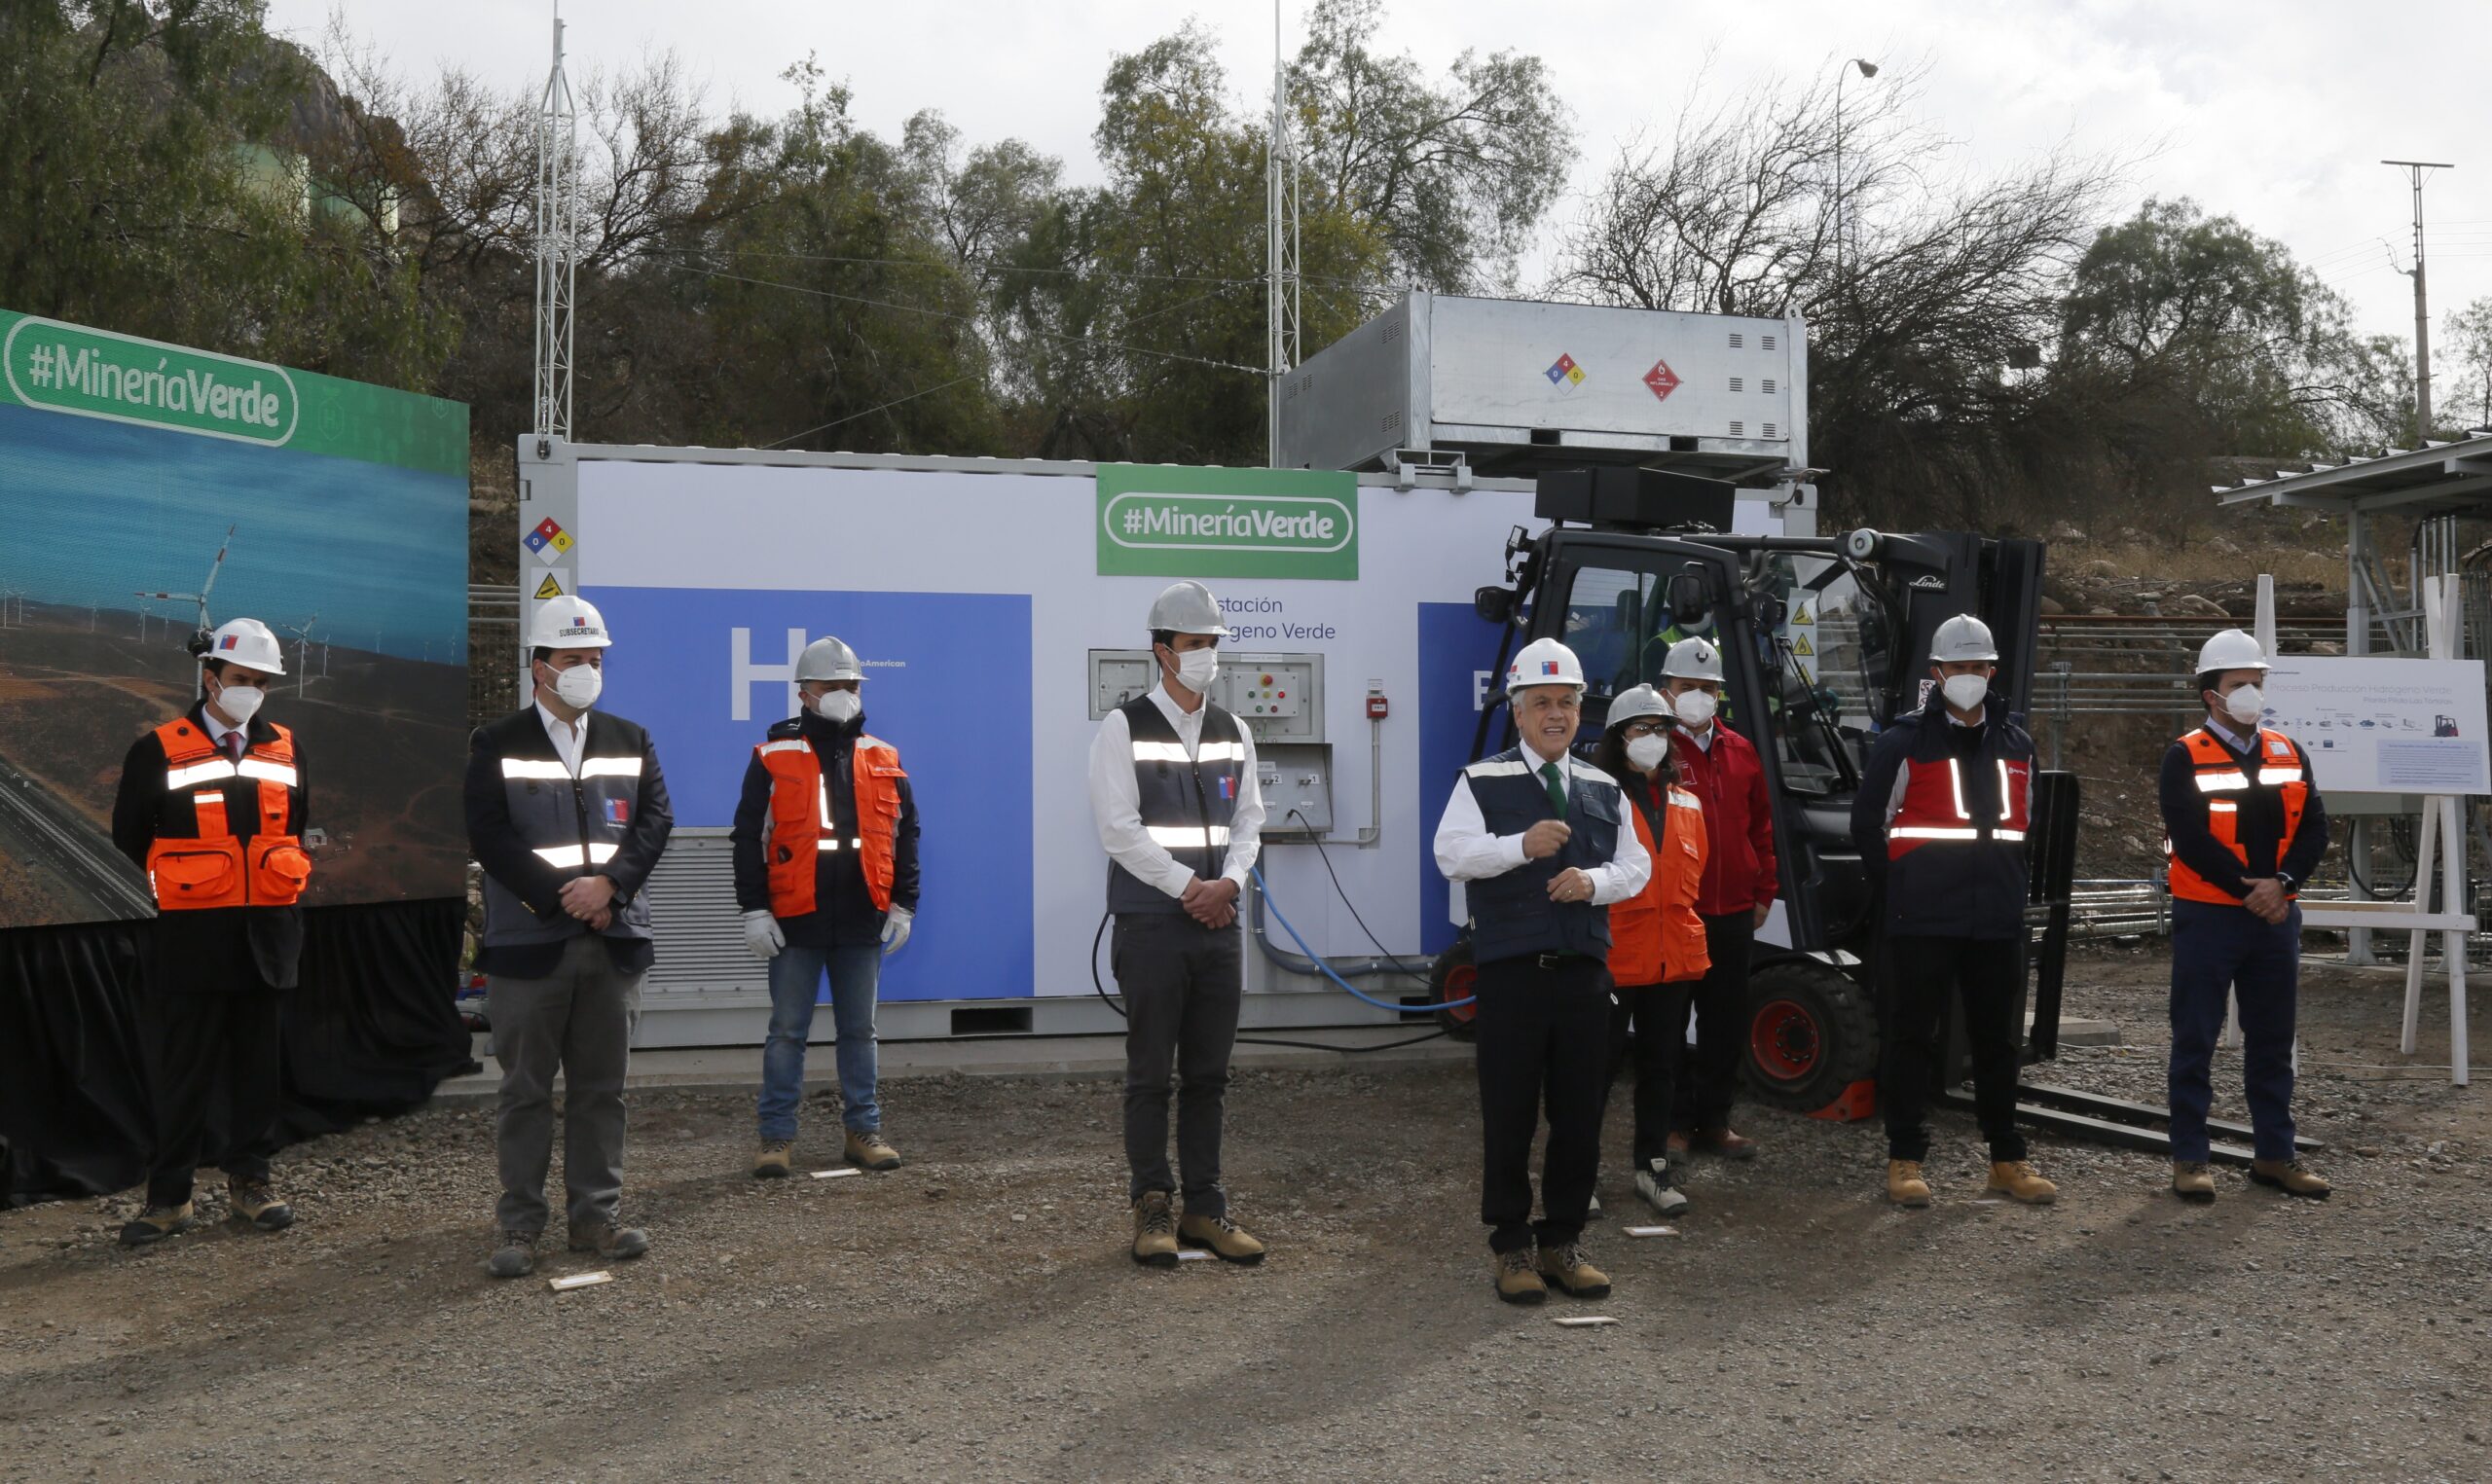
{"points": [[1661, 380]]}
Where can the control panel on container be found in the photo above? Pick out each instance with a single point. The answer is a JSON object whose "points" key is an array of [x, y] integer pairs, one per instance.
{"points": [[1279, 697]]}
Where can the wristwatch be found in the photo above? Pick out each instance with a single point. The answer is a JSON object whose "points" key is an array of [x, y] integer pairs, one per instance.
{"points": [[2285, 881]]}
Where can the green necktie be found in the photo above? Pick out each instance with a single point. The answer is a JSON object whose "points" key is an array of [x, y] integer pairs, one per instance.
{"points": [[1556, 788]]}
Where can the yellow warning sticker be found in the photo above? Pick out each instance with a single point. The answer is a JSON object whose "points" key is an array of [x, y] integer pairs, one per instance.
{"points": [[549, 588], [1802, 617], [1801, 645]]}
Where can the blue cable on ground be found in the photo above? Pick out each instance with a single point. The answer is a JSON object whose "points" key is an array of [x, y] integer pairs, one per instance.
{"points": [[1318, 960]]}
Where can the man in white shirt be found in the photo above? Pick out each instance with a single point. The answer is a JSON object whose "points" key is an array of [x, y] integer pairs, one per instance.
{"points": [[1173, 793], [1538, 841]]}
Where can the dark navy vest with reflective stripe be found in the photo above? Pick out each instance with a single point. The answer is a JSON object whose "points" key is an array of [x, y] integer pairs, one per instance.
{"points": [[1512, 915], [573, 825], [1185, 804]]}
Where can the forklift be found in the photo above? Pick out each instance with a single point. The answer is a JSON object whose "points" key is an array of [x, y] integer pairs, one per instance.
{"points": [[1824, 642]]}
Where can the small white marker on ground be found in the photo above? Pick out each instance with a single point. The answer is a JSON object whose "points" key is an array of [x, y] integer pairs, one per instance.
{"points": [[832, 1174], [1587, 1321], [1194, 1255], [579, 1280], [1652, 1231]]}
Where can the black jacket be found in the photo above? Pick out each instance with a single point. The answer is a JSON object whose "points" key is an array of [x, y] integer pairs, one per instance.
{"points": [[219, 949], [499, 848], [2261, 823], [1944, 889], [845, 915]]}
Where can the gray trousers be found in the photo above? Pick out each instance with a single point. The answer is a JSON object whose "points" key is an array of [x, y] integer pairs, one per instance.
{"points": [[1183, 985], [578, 1019]]}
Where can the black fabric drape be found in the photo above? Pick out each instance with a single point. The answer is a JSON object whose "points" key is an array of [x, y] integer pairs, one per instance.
{"points": [[371, 1030]]}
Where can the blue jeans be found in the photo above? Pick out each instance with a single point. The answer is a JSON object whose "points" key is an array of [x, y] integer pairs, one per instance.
{"points": [[795, 982], [2215, 949]]}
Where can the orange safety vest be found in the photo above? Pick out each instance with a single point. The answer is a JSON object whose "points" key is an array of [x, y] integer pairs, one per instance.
{"points": [[801, 824], [215, 865], [2222, 779], [1655, 937]]}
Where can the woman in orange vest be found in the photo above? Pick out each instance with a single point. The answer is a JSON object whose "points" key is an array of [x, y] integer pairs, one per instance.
{"points": [[1656, 939]]}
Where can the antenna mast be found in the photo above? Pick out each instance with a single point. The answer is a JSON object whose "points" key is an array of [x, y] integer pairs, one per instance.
{"points": [[558, 219], [1281, 246]]}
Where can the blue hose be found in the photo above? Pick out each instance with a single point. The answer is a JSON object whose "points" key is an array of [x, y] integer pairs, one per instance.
{"points": [[1317, 959]]}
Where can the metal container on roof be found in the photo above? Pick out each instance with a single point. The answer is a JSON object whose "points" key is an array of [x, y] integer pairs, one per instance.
{"points": [[1520, 385]]}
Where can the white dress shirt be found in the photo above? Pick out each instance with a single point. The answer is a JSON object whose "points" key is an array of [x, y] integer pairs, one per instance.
{"points": [[567, 736], [1467, 852], [218, 731], [1115, 800]]}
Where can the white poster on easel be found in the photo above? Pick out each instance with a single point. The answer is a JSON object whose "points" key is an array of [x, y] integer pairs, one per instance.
{"points": [[2385, 725]]}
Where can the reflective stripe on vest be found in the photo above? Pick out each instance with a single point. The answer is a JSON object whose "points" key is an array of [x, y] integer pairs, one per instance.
{"points": [[2219, 771], [801, 821], [569, 857], [217, 864]]}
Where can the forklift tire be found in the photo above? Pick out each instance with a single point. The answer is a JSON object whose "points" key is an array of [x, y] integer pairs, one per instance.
{"points": [[1812, 1032], [1453, 977]]}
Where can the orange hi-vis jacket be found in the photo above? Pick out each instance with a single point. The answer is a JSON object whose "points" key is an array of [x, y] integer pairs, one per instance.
{"points": [[218, 865], [800, 819], [1655, 937], [2222, 780]]}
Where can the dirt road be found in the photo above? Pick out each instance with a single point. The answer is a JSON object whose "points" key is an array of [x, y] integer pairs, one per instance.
{"points": [[974, 1314]]}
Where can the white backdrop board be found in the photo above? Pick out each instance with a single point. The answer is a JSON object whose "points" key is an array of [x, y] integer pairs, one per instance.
{"points": [[2385, 725]]}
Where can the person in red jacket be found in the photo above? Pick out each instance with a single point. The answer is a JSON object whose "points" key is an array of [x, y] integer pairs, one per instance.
{"points": [[1720, 768], [1656, 939]]}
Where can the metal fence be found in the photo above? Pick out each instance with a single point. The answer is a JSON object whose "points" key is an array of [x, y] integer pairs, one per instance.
{"points": [[493, 637]]}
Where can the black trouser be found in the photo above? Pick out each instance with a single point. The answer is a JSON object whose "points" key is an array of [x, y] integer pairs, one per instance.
{"points": [[1183, 985], [196, 1041], [1543, 1036], [1657, 1013], [1987, 977], [1703, 1100]]}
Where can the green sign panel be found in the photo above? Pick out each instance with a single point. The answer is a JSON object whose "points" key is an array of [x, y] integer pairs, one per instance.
{"points": [[1166, 521], [87, 373]]}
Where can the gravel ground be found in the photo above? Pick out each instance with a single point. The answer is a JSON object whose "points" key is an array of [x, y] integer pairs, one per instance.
{"points": [[975, 1310]]}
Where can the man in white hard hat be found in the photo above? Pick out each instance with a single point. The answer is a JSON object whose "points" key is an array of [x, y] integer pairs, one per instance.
{"points": [[1174, 797], [212, 807], [567, 814], [1541, 846], [1940, 821], [826, 870], [1741, 876], [2244, 829]]}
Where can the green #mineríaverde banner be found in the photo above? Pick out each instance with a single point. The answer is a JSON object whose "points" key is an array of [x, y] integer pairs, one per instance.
{"points": [[1170, 521], [87, 373]]}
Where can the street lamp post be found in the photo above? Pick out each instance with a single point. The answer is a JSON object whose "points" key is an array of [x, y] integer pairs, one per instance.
{"points": [[1868, 69]]}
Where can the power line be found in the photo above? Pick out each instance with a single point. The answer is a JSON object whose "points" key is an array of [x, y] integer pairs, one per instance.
{"points": [[871, 410], [1070, 273]]}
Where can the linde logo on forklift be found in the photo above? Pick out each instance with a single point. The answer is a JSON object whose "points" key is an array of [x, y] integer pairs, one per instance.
{"points": [[1158, 521]]}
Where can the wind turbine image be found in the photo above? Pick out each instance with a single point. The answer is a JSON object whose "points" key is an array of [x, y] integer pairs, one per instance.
{"points": [[201, 596], [302, 632]]}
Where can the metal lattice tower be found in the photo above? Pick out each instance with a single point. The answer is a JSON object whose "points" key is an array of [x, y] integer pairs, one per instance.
{"points": [[558, 221], [1281, 246]]}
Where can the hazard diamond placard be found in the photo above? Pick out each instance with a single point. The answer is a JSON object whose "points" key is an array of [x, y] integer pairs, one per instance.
{"points": [[1661, 380]]}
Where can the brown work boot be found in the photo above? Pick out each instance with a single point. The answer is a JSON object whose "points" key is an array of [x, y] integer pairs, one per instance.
{"points": [[2290, 1175], [255, 1204], [867, 1149], [1904, 1184], [612, 1241], [1221, 1236], [775, 1159], [1155, 1231], [1675, 1145], [1519, 1277], [2192, 1182], [1566, 1268], [157, 1223], [1728, 1143], [2017, 1180]]}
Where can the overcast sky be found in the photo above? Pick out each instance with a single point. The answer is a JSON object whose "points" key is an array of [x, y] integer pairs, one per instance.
{"points": [[2275, 112]]}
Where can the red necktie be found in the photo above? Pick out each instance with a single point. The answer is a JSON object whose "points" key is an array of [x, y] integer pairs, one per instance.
{"points": [[234, 744]]}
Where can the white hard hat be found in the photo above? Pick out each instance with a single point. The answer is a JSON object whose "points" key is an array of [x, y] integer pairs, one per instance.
{"points": [[247, 642], [1640, 701], [827, 659], [1962, 638], [1693, 659], [2231, 649], [570, 623], [1544, 662], [1187, 608]]}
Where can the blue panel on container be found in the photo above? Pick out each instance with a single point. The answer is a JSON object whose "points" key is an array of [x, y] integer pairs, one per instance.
{"points": [[1458, 649], [934, 689]]}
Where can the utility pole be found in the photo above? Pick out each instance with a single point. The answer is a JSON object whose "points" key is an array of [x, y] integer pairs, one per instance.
{"points": [[1280, 250], [1843, 74], [558, 221], [2414, 168]]}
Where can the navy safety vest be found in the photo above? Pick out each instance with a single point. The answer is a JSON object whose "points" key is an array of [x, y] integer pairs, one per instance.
{"points": [[1512, 915], [572, 824], [1186, 803]]}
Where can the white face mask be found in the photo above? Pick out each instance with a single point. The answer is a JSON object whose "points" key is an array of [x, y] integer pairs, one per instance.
{"points": [[1695, 708], [1197, 669], [579, 686], [241, 702], [839, 706], [1647, 752], [1966, 692], [2246, 705]]}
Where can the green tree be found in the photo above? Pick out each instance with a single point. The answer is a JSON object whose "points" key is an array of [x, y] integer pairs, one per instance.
{"points": [[2467, 339]]}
